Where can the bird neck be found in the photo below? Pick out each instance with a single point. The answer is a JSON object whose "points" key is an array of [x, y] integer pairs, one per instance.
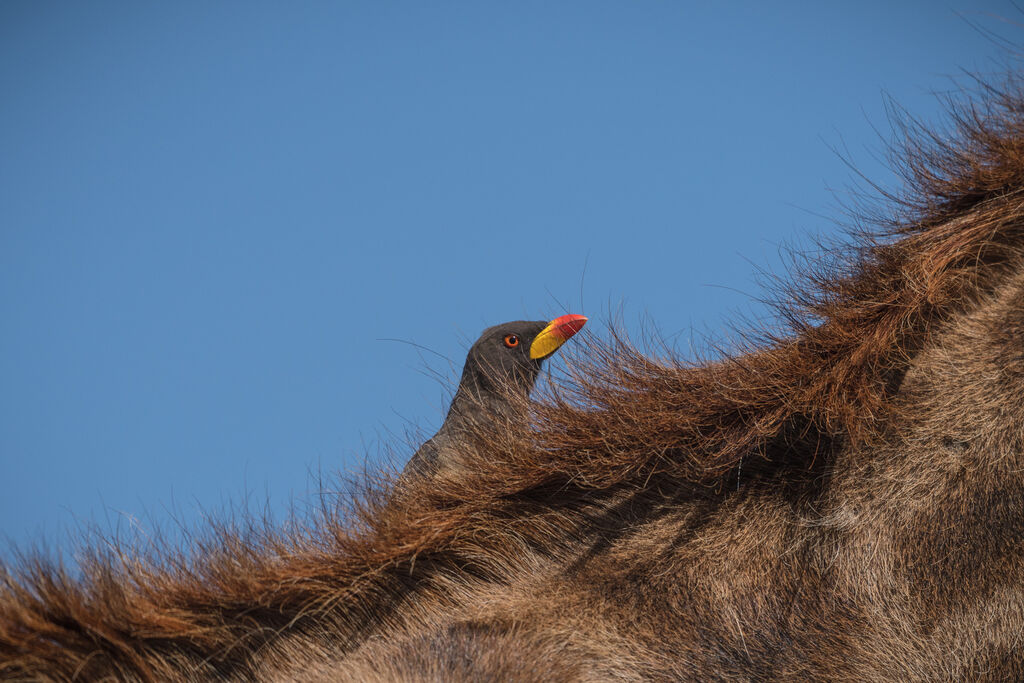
{"points": [[472, 400], [481, 397]]}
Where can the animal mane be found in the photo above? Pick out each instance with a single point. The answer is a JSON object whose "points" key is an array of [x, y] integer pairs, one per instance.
{"points": [[622, 422]]}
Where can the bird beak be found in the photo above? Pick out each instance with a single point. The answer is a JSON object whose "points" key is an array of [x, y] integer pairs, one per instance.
{"points": [[555, 334]]}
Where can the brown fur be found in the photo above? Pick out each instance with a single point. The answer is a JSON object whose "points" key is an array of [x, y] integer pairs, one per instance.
{"points": [[843, 501]]}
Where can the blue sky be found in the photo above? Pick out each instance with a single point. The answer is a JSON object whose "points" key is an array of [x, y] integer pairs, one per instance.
{"points": [[213, 214]]}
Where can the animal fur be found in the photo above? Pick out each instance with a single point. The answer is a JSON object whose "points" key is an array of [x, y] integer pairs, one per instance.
{"points": [[840, 501]]}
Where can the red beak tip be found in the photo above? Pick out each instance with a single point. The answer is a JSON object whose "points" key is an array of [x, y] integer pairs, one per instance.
{"points": [[570, 324]]}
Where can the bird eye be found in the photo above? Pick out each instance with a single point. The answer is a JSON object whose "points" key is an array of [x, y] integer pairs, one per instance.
{"points": [[511, 341]]}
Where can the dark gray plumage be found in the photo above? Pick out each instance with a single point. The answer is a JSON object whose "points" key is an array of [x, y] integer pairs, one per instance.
{"points": [[505, 361]]}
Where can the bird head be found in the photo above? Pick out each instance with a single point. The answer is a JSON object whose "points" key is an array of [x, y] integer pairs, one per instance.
{"points": [[510, 355]]}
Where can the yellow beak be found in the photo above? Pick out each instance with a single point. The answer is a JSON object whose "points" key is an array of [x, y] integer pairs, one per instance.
{"points": [[555, 334]]}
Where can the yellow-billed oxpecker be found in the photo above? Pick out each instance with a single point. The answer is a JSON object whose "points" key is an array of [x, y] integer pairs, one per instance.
{"points": [[505, 361]]}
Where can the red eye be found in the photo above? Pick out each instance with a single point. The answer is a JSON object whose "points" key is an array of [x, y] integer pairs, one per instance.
{"points": [[511, 341]]}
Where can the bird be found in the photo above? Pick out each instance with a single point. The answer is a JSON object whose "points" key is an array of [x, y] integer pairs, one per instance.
{"points": [[502, 364]]}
